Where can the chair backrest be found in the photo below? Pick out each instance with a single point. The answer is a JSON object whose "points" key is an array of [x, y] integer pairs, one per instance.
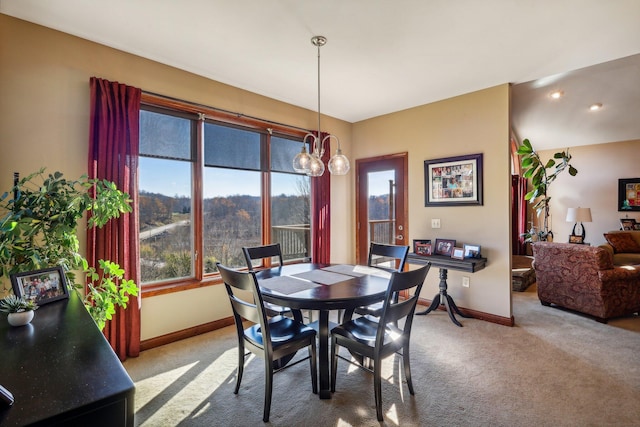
{"points": [[247, 304], [394, 310], [261, 252], [379, 250]]}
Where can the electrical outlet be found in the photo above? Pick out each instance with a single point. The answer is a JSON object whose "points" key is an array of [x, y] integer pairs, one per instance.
{"points": [[465, 281], [435, 223]]}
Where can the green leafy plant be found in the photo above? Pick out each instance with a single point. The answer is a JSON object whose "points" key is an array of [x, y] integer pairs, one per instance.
{"points": [[107, 288], [39, 221], [541, 175], [14, 304]]}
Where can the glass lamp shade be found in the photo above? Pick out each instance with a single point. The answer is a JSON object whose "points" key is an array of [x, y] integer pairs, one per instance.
{"points": [[339, 164], [316, 167], [302, 160]]}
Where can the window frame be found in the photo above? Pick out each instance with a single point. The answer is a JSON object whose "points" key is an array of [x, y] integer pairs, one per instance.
{"points": [[203, 114]]}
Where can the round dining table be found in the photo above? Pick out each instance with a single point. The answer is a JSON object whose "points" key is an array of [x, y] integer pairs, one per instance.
{"points": [[327, 287]]}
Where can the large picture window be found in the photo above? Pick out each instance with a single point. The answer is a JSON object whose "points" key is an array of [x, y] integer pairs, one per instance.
{"points": [[209, 187]]}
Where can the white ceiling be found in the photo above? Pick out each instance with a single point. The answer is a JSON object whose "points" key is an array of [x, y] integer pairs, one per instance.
{"points": [[383, 56]]}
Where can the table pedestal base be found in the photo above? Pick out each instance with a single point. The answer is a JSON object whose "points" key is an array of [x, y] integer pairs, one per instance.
{"points": [[443, 298]]}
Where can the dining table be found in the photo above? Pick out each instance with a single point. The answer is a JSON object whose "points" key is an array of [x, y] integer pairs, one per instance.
{"points": [[323, 287]]}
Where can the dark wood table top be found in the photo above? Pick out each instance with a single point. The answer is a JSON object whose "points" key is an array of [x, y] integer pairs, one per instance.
{"points": [[349, 292], [470, 265], [61, 364]]}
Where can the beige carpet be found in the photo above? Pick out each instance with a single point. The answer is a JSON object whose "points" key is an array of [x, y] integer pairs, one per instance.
{"points": [[554, 368]]}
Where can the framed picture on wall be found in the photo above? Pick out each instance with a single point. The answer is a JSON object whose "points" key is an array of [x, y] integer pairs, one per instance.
{"points": [[453, 181], [629, 194]]}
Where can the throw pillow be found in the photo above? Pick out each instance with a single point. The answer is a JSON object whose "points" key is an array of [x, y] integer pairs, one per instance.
{"points": [[622, 242]]}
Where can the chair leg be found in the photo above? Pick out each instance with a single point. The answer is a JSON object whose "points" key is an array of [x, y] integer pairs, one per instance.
{"points": [[334, 364], [314, 366], [268, 387], [240, 366], [407, 368], [377, 386]]}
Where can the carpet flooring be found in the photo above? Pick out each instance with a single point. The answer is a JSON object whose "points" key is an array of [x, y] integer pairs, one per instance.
{"points": [[553, 368]]}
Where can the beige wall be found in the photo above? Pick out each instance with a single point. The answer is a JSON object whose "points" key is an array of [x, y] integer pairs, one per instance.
{"points": [[473, 123], [595, 186], [44, 121], [44, 116]]}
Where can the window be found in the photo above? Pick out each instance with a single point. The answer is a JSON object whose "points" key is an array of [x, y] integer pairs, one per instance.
{"points": [[240, 191]]}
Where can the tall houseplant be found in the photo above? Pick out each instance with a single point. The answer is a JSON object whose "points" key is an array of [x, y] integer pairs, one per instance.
{"points": [[541, 175], [38, 228]]}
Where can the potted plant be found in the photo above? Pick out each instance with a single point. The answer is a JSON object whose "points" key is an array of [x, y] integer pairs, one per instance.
{"points": [[20, 310], [541, 175], [39, 219]]}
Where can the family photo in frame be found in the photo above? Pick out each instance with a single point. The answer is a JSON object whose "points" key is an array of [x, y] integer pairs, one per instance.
{"points": [[444, 247], [453, 181], [40, 286]]}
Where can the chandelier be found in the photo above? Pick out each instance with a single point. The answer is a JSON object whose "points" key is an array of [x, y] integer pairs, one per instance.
{"points": [[311, 163]]}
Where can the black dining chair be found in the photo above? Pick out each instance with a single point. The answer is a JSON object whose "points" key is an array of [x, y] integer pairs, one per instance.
{"points": [[270, 338], [378, 338], [252, 253], [380, 253]]}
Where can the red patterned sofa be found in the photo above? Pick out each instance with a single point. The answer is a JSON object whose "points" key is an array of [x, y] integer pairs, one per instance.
{"points": [[583, 278]]}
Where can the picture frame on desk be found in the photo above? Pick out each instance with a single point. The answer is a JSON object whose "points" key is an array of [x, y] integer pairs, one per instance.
{"points": [[422, 247], [41, 286], [471, 251], [627, 224], [444, 247], [457, 253], [576, 239]]}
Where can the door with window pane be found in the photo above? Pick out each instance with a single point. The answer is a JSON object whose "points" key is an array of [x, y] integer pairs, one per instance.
{"points": [[381, 203]]}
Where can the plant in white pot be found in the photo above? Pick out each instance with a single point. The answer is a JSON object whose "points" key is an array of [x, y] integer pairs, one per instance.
{"points": [[39, 219], [20, 310]]}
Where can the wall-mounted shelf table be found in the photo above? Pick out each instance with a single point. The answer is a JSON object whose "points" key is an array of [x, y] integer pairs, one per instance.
{"points": [[444, 263]]}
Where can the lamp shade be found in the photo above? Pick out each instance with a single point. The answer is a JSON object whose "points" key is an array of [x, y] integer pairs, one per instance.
{"points": [[579, 215]]}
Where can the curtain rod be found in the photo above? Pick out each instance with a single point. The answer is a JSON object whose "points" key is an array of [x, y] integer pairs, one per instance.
{"points": [[221, 110]]}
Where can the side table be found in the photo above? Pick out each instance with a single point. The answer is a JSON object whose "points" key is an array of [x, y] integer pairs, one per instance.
{"points": [[444, 263]]}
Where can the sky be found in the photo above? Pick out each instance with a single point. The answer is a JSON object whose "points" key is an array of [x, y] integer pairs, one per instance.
{"points": [[172, 178]]}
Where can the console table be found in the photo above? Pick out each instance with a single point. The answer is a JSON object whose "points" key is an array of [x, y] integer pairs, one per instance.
{"points": [[444, 263], [62, 371]]}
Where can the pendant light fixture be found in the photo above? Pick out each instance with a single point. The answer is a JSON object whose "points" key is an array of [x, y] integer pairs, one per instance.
{"points": [[311, 163]]}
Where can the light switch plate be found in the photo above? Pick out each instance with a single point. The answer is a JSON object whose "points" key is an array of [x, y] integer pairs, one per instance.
{"points": [[435, 223]]}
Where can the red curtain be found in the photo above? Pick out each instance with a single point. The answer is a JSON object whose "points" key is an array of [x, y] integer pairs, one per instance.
{"points": [[321, 212], [518, 214], [113, 155]]}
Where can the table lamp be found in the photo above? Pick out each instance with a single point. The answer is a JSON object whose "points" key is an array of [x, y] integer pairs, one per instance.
{"points": [[578, 215]]}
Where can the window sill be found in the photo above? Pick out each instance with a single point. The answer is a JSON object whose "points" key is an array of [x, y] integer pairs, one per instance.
{"points": [[153, 290]]}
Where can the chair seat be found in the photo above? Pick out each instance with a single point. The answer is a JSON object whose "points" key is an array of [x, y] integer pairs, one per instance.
{"points": [[283, 331], [364, 329]]}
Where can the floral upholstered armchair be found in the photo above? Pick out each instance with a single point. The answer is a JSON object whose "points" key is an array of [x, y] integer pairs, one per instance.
{"points": [[583, 278]]}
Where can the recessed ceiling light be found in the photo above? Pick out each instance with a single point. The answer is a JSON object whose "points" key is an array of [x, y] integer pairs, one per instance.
{"points": [[595, 107], [556, 94]]}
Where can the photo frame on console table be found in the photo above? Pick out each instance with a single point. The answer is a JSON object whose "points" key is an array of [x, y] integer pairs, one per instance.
{"points": [[444, 247], [453, 181], [422, 247], [41, 286], [629, 194]]}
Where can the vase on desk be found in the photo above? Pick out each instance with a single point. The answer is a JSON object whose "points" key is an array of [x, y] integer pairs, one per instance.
{"points": [[20, 318]]}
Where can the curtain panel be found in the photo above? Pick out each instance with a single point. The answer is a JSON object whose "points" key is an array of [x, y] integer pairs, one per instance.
{"points": [[321, 211], [518, 214], [113, 155]]}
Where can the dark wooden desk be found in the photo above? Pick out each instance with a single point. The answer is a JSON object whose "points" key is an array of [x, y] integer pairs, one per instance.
{"points": [[470, 265], [347, 294], [62, 371]]}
